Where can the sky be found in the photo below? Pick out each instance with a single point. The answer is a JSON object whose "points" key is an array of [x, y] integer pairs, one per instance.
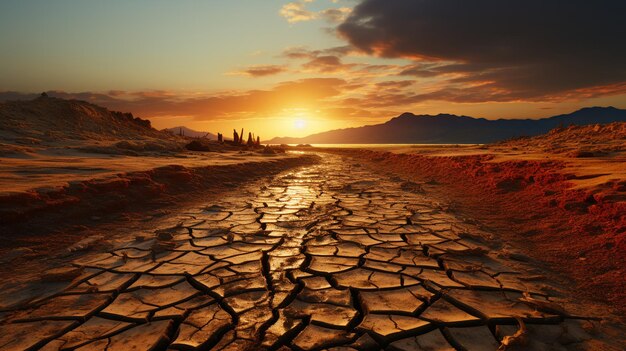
{"points": [[294, 68]]}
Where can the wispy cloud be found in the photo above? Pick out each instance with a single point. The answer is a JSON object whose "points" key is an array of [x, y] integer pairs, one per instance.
{"points": [[327, 64], [257, 71], [297, 11]]}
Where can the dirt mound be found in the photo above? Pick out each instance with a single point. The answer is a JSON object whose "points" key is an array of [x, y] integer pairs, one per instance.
{"points": [[47, 120], [578, 141]]}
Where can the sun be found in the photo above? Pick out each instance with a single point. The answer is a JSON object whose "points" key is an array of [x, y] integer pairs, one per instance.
{"points": [[299, 123]]}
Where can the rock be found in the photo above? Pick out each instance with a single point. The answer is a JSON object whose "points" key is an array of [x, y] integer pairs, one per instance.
{"points": [[198, 145], [268, 151]]}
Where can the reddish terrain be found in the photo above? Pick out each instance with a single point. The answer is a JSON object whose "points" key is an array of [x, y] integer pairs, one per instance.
{"points": [[40, 211], [67, 164], [579, 232]]}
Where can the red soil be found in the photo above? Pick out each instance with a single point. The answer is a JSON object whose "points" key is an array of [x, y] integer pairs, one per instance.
{"points": [[531, 203]]}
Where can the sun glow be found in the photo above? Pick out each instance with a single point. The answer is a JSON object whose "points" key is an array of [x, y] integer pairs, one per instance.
{"points": [[299, 123]]}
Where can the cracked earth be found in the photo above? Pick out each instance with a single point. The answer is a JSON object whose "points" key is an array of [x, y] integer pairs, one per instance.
{"points": [[329, 256]]}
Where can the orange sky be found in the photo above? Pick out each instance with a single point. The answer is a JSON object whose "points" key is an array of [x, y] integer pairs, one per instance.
{"points": [[293, 68]]}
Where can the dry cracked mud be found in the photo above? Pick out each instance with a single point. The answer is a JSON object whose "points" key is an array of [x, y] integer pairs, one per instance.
{"points": [[327, 257]]}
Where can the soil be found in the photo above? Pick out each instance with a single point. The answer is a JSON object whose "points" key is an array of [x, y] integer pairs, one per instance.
{"points": [[580, 232]]}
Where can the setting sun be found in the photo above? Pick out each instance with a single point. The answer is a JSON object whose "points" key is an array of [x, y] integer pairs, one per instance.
{"points": [[299, 123]]}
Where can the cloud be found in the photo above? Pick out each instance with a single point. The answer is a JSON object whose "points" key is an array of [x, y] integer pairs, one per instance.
{"points": [[301, 52], [327, 64], [395, 84], [258, 103], [533, 49], [297, 12], [332, 98], [335, 15], [261, 70], [325, 61]]}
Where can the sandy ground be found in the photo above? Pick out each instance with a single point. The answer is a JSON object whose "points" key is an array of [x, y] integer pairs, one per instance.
{"points": [[594, 155], [54, 168], [588, 172], [41, 202]]}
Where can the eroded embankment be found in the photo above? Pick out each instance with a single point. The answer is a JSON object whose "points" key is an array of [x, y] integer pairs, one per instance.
{"points": [[579, 232], [45, 211]]}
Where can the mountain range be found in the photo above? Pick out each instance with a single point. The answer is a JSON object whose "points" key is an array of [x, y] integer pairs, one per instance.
{"points": [[452, 129]]}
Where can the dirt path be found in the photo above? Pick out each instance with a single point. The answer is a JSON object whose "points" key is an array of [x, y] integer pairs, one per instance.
{"points": [[324, 257]]}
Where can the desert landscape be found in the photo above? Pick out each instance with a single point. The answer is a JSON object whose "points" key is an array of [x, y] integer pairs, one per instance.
{"points": [[342, 246], [243, 176]]}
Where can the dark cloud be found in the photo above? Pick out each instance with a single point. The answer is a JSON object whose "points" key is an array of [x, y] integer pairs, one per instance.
{"points": [[518, 49], [422, 70]]}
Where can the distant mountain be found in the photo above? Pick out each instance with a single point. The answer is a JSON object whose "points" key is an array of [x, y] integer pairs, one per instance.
{"points": [[451, 129], [190, 132]]}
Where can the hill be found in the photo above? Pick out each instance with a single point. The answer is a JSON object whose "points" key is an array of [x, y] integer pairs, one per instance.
{"points": [[48, 118], [578, 141], [452, 129], [53, 123], [188, 132]]}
